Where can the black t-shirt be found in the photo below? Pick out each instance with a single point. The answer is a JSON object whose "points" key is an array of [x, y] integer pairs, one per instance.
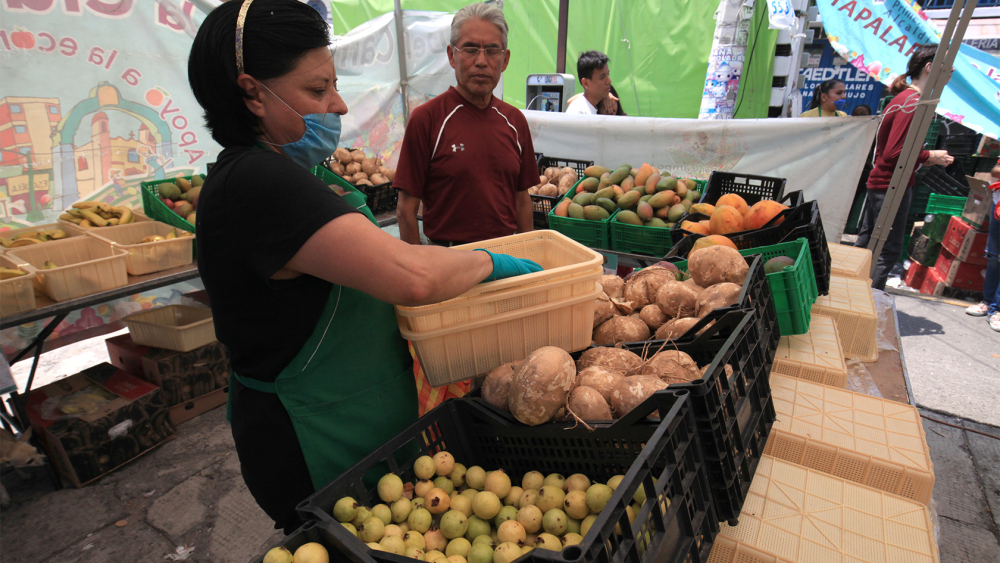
{"points": [[255, 211]]}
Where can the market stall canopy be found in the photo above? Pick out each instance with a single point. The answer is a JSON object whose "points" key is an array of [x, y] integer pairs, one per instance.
{"points": [[879, 36]]}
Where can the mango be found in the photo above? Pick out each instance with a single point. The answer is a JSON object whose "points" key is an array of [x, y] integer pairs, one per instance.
{"points": [[644, 211], [645, 198], [681, 190], [595, 213], [666, 183], [628, 183], [609, 205], [661, 199], [651, 183], [605, 182], [618, 192], [628, 217], [656, 222], [633, 172], [704, 208], [693, 195], [576, 210], [690, 183], [662, 213], [595, 171], [645, 171], [588, 185], [562, 209], [687, 204], [777, 264], [586, 198], [629, 200], [620, 174], [676, 212], [608, 192], [671, 225]]}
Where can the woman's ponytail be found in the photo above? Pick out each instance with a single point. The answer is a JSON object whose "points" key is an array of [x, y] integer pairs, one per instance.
{"points": [[898, 85], [921, 56]]}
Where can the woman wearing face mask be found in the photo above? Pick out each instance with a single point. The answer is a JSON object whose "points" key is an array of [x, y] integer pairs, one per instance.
{"points": [[302, 285], [829, 100]]}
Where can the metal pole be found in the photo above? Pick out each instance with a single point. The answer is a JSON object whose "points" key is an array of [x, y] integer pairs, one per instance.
{"points": [[404, 82], [948, 48], [561, 45]]}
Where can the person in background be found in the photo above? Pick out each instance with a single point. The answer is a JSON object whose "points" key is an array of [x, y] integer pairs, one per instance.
{"points": [[889, 141], [990, 306], [595, 77], [829, 100], [861, 111], [467, 155]]}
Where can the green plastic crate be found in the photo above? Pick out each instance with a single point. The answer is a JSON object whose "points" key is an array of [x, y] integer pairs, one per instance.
{"points": [[794, 288], [594, 234], [639, 239], [938, 204], [155, 209], [355, 197]]}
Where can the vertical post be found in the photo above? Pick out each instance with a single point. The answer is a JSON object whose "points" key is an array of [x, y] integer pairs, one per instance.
{"points": [[951, 40], [404, 81], [561, 46]]}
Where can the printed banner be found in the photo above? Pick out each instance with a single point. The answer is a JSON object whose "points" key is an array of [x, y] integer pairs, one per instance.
{"points": [[862, 89], [725, 62], [878, 36]]}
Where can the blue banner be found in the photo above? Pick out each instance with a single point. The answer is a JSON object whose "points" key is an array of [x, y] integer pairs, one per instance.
{"points": [[861, 88], [878, 37]]}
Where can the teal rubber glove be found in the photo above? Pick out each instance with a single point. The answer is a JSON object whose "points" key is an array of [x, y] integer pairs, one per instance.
{"points": [[505, 266]]}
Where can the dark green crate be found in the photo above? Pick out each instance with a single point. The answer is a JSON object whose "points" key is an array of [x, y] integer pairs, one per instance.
{"points": [[935, 227], [594, 234], [154, 208], [922, 249], [794, 288], [639, 239], [945, 204]]}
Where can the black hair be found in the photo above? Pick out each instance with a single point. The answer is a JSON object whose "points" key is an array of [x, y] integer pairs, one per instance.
{"points": [[866, 107], [918, 60], [823, 88], [276, 34], [588, 63]]}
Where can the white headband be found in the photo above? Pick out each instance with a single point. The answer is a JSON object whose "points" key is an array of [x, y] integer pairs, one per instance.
{"points": [[240, 20]]}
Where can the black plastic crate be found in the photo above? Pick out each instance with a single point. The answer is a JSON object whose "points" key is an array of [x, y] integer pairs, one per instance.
{"points": [[542, 204], [679, 526], [321, 533], [802, 221], [960, 144], [381, 198], [748, 186]]}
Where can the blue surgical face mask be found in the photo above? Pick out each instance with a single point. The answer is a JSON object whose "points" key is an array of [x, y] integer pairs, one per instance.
{"points": [[840, 104], [318, 142]]}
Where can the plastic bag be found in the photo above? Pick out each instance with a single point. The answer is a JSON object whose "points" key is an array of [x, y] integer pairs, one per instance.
{"points": [[781, 15], [859, 379], [885, 336]]}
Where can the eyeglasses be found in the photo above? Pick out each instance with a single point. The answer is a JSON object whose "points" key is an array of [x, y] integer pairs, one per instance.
{"points": [[473, 52]]}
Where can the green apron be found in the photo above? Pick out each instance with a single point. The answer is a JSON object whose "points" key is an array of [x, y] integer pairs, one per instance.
{"points": [[351, 387]]}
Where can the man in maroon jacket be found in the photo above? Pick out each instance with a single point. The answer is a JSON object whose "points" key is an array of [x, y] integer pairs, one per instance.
{"points": [[468, 156]]}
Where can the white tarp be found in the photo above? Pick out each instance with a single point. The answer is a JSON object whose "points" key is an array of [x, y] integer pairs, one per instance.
{"points": [[823, 157]]}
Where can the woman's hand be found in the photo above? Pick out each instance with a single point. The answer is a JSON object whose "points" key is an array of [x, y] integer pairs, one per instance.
{"points": [[940, 157], [609, 105]]}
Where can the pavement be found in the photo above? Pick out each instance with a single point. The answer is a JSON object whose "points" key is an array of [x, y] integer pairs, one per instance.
{"points": [[188, 492]]}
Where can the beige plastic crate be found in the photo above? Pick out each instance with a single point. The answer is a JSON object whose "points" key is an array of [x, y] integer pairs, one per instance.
{"points": [[865, 439], [851, 304], [570, 270], [16, 294], [174, 327], [70, 229], [814, 356], [457, 353], [84, 265], [849, 262], [807, 516], [148, 257], [729, 550]]}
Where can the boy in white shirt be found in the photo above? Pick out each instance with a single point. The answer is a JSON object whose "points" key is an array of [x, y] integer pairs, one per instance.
{"points": [[592, 70]]}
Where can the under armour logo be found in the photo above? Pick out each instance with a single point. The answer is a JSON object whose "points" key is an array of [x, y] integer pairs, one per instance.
{"points": [[458, 147]]}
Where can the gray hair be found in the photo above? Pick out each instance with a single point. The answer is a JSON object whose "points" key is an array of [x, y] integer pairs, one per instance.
{"points": [[485, 11]]}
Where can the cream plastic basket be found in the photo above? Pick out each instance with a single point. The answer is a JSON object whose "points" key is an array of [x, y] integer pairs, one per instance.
{"points": [[457, 353], [84, 265], [849, 262], [570, 270], [147, 257], [851, 304], [16, 294], [174, 327], [865, 439], [814, 356]]}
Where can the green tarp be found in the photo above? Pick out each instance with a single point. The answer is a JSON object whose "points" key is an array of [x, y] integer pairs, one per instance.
{"points": [[669, 42]]}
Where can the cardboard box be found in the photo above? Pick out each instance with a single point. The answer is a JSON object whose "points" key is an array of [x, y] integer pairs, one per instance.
{"points": [[915, 275], [962, 275], [964, 242], [199, 405], [933, 284], [979, 206], [183, 376], [98, 420]]}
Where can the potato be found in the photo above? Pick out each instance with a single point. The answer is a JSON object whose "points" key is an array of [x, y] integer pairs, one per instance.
{"points": [[719, 295], [642, 287], [383, 171], [542, 180], [358, 177], [357, 155], [496, 387], [677, 300], [604, 309], [675, 328], [552, 174], [377, 178], [601, 379], [652, 316], [613, 285], [617, 360], [392, 174], [589, 404], [672, 366], [533, 190], [541, 385], [352, 168], [621, 329], [630, 392], [363, 183], [717, 264], [549, 190], [338, 168], [343, 156], [368, 166]]}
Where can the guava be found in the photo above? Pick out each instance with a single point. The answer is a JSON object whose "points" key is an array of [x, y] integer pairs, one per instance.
{"points": [[363, 513], [527, 498], [572, 526], [458, 546], [383, 513], [554, 522], [345, 510], [350, 528], [457, 475], [550, 497], [444, 463], [454, 524], [477, 527], [531, 518], [571, 539], [415, 553], [575, 505], [414, 539], [475, 477], [486, 505], [437, 501], [511, 531], [481, 553], [401, 510], [554, 480], [598, 496], [548, 541], [278, 555], [423, 468], [514, 496], [435, 540], [462, 504], [498, 483], [393, 544], [444, 483], [421, 488], [390, 488], [614, 481], [506, 552], [532, 480], [577, 482], [586, 524], [419, 520], [371, 530], [506, 513], [392, 530]]}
